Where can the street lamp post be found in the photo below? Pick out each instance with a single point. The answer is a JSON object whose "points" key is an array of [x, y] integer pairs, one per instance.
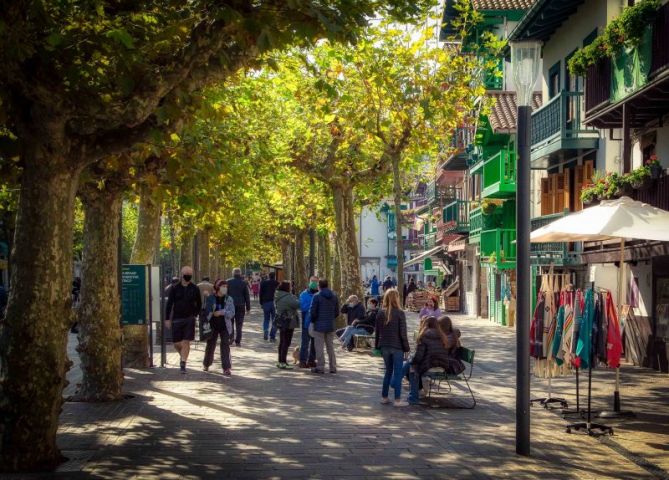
{"points": [[525, 65]]}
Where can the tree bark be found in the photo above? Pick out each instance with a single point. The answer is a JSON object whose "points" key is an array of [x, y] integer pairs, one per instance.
{"points": [[349, 259], [186, 255], [136, 337], [336, 267], [321, 256], [300, 264], [203, 253], [148, 228], [397, 198], [286, 252], [33, 337], [99, 311]]}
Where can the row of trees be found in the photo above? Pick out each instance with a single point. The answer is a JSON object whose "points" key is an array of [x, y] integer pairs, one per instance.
{"points": [[245, 125]]}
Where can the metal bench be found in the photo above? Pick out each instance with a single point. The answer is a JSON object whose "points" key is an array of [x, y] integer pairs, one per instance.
{"points": [[363, 341], [438, 375]]}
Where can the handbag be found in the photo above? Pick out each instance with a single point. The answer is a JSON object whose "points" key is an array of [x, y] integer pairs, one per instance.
{"points": [[205, 327], [283, 320]]}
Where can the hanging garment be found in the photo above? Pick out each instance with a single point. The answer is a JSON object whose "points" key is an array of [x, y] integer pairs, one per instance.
{"points": [[556, 343], [584, 343], [614, 338], [537, 329], [601, 347]]}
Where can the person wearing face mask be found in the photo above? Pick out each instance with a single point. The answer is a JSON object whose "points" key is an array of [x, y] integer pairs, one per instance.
{"points": [[360, 327], [183, 305], [220, 310], [307, 348]]}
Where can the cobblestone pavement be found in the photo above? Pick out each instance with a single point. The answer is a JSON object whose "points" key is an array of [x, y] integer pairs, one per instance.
{"points": [[268, 423]]}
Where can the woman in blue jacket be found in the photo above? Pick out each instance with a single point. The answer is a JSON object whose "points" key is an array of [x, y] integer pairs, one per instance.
{"points": [[307, 348]]}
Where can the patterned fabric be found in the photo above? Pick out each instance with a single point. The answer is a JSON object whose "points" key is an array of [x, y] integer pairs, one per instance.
{"points": [[502, 4], [614, 343], [584, 343]]}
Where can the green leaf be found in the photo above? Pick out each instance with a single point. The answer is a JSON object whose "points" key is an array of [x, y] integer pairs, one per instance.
{"points": [[122, 36]]}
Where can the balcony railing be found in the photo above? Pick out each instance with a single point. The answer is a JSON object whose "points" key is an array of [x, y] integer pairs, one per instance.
{"points": [[556, 253], [560, 120], [657, 196], [609, 81], [475, 225], [499, 175], [456, 216], [498, 247], [430, 240]]}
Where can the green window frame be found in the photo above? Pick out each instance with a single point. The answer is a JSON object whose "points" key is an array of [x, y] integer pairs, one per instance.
{"points": [[554, 80]]}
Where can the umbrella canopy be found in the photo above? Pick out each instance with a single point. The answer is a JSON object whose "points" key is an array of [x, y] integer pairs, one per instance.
{"points": [[620, 219]]}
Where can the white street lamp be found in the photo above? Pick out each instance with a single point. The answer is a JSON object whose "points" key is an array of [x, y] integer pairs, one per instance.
{"points": [[525, 66]]}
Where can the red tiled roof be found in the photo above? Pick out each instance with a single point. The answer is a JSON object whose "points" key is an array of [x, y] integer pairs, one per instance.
{"points": [[502, 4], [503, 115]]}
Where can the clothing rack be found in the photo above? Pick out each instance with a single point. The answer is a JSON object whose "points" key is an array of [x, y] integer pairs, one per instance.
{"points": [[592, 429]]}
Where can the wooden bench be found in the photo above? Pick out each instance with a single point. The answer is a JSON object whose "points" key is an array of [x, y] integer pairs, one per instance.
{"points": [[438, 375]]}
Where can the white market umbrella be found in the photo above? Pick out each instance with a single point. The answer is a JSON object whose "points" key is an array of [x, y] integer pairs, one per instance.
{"points": [[621, 219]]}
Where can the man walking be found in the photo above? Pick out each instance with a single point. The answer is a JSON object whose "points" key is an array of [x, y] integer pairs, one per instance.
{"points": [[307, 347], [183, 304], [266, 294], [323, 313], [238, 289]]}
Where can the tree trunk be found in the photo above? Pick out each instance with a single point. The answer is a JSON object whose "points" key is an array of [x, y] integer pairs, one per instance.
{"points": [[148, 228], [99, 311], [349, 259], [186, 256], [203, 252], [33, 337], [136, 337], [286, 248], [335, 280], [300, 265], [174, 262], [397, 198], [322, 254], [312, 252]]}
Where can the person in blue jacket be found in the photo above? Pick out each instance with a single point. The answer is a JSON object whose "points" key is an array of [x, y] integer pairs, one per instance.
{"points": [[307, 348], [374, 287]]}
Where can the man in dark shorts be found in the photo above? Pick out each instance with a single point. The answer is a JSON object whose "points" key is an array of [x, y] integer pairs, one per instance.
{"points": [[183, 305]]}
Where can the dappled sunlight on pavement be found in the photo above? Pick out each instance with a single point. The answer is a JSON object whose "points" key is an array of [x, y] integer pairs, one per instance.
{"points": [[270, 423]]}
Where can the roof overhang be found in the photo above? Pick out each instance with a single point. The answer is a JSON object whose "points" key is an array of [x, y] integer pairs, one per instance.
{"points": [[543, 19], [423, 256]]}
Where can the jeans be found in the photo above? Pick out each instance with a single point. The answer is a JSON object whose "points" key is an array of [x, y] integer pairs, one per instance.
{"points": [[218, 329], [307, 347], [324, 340], [394, 359], [240, 311], [347, 336], [285, 337], [413, 382], [269, 313]]}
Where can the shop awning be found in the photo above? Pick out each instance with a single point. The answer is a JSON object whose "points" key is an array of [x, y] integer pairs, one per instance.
{"points": [[457, 245], [423, 256]]}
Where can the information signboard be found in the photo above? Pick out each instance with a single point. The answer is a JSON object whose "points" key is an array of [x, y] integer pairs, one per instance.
{"points": [[134, 295]]}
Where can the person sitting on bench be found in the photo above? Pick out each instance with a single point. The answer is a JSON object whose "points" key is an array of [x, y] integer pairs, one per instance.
{"points": [[364, 326]]}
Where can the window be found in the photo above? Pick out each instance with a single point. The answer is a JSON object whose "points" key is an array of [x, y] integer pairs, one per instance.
{"points": [[554, 80]]}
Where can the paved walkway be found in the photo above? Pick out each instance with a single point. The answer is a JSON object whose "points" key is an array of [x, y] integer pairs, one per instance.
{"points": [[267, 423]]}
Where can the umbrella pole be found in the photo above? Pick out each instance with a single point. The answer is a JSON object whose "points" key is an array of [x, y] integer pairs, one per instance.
{"points": [[617, 412]]}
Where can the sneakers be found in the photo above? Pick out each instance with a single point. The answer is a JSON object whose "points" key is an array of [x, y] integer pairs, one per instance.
{"points": [[280, 365], [385, 401], [265, 337], [334, 370], [401, 403], [303, 365], [206, 368], [227, 372], [272, 340], [182, 366], [311, 364], [287, 366], [317, 370]]}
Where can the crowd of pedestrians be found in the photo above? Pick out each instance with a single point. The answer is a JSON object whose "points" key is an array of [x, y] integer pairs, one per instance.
{"points": [[221, 309]]}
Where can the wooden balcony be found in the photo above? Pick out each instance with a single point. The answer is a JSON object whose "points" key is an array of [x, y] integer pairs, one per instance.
{"points": [[657, 195], [555, 253], [498, 248], [455, 217], [559, 131], [636, 77], [475, 225], [499, 175]]}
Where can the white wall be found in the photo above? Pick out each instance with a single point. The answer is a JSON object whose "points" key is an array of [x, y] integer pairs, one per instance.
{"points": [[644, 273], [372, 236]]}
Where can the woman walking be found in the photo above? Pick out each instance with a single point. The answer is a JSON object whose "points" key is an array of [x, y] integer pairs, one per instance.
{"points": [[287, 320], [220, 310], [391, 339]]}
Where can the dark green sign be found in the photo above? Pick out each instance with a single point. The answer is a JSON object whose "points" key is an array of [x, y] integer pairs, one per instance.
{"points": [[134, 295]]}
